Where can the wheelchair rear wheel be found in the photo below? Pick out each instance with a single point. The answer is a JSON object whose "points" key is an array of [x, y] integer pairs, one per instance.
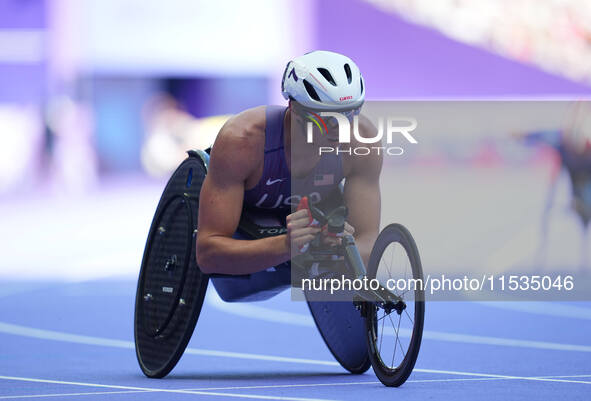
{"points": [[171, 287]]}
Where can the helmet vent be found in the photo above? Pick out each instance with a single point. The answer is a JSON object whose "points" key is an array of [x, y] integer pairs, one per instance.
{"points": [[326, 74], [361, 81], [311, 91], [348, 72]]}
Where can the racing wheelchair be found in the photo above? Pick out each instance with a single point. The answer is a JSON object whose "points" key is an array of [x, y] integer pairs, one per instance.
{"points": [[381, 328]]}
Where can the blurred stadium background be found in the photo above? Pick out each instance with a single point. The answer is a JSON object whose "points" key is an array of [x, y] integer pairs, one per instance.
{"points": [[99, 99]]}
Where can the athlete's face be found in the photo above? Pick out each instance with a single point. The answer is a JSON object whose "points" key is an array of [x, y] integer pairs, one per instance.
{"points": [[326, 129]]}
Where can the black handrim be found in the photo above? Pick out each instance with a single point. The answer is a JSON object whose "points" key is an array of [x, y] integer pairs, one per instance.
{"points": [[389, 372], [171, 287]]}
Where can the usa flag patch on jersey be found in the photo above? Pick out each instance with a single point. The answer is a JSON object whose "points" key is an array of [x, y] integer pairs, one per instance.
{"points": [[323, 179]]}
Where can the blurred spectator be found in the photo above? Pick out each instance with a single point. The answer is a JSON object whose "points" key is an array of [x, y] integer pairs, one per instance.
{"points": [[21, 133], [171, 131], [73, 164]]}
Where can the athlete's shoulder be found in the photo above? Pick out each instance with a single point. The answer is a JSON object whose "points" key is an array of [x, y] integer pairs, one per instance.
{"points": [[250, 118], [245, 130], [240, 143]]}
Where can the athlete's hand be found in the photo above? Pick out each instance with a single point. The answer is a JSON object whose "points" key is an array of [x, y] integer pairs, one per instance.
{"points": [[298, 231], [349, 229], [332, 240]]}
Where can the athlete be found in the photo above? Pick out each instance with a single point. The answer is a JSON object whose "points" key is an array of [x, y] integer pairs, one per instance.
{"points": [[262, 154], [572, 153]]}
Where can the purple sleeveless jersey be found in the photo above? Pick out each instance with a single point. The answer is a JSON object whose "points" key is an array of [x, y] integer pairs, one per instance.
{"points": [[274, 189]]}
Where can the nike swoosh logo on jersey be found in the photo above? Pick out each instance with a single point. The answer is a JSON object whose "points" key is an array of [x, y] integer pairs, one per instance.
{"points": [[271, 182]]}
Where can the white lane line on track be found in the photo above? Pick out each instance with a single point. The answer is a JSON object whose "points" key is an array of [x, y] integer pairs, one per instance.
{"points": [[501, 341], [259, 357], [161, 390], [480, 377], [271, 315], [340, 384], [465, 379], [88, 340], [10, 397], [532, 378], [555, 309], [107, 342]]}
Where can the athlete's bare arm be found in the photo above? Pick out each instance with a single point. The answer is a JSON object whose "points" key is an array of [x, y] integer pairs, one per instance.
{"points": [[237, 153], [362, 194]]}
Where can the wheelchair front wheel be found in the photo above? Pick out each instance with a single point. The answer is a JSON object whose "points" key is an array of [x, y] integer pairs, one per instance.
{"points": [[394, 331]]}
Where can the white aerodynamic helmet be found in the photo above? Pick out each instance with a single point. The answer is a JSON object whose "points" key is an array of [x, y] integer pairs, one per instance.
{"points": [[323, 80]]}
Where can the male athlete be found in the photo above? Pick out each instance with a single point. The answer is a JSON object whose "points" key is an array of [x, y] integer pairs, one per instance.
{"points": [[258, 153], [572, 151]]}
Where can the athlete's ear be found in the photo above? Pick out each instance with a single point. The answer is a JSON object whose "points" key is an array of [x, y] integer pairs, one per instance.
{"points": [[292, 109]]}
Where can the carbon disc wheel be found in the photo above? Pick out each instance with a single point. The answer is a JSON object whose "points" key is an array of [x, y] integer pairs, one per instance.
{"points": [[171, 287]]}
